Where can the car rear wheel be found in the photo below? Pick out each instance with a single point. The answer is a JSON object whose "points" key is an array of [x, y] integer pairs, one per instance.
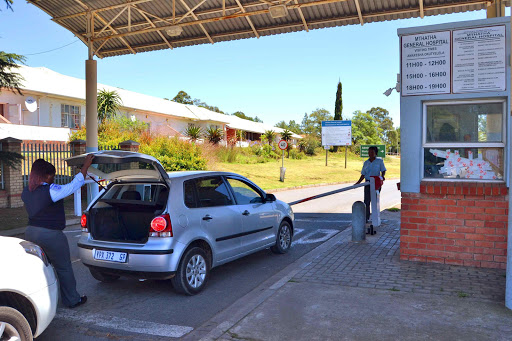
{"points": [[284, 238], [13, 325], [193, 272], [103, 277]]}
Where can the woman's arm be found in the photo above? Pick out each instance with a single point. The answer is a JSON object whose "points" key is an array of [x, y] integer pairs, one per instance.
{"points": [[59, 192]]}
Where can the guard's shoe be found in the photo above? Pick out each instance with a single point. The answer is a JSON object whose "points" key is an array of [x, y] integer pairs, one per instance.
{"points": [[83, 299]]}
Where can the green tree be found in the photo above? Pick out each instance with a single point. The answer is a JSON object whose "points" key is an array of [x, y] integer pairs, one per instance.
{"points": [[270, 136], [364, 129], [193, 132], [183, 98], [338, 107], [245, 117], [9, 79], [384, 123], [312, 124], [9, 3], [109, 103], [292, 126]]}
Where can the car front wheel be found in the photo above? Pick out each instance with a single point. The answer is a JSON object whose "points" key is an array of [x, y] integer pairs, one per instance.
{"points": [[284, 238], [13, 325], [193, 272]]}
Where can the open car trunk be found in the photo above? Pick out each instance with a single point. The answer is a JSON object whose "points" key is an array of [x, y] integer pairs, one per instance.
{"points": [[124, 212]]}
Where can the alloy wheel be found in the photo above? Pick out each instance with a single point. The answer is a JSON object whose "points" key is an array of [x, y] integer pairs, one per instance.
{"points": [[284, 237], [196, 271]]}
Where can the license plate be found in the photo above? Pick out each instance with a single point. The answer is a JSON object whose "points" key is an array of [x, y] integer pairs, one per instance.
{"points": [[110, 256]]}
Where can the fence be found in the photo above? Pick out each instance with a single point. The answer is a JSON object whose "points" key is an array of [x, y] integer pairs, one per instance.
{"points": [[2, 183], [54, 153]]}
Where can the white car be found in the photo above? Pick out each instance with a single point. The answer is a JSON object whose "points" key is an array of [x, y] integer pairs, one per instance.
{"points": [[28, 290]]}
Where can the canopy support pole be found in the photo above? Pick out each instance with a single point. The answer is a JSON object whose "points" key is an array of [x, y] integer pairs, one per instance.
{"points": [[91, 101]]}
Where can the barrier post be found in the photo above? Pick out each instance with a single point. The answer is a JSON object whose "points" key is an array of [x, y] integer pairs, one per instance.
{"points": [[358, 221], [78, 202]]}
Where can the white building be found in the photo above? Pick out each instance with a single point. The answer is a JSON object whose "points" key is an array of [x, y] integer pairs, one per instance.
{"points": [[59, 108]]}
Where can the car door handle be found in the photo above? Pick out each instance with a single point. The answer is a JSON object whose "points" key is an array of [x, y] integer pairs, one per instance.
{"points": [[207, 217], [246, 213]]}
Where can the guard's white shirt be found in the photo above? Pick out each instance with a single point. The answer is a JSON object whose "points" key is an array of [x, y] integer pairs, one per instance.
{"points": [[373, 168], [59, 192]]}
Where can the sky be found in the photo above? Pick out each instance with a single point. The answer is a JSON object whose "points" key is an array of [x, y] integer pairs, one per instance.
{"points": [[276, 78]]}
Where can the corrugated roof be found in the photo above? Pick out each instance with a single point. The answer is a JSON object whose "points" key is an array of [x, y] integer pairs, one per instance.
{"points": [[124, 27]]}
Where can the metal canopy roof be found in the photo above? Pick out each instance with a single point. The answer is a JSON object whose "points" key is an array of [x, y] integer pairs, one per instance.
{"points": [[122, 27]]}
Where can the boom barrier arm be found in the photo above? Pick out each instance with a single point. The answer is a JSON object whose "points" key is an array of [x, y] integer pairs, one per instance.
{"points": [[375, 198]]}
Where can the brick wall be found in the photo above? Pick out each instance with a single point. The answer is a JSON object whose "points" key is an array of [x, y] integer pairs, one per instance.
{"points": [[458, 223]]}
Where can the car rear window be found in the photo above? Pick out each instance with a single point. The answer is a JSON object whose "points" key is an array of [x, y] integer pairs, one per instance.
{"points": [[206, 192]]}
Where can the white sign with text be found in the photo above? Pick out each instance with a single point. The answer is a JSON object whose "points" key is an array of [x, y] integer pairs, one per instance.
{"points": [[479, 59], [426, 63]]}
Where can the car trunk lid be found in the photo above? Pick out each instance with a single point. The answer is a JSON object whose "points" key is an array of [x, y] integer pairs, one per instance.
{"points": [[113, 165]]}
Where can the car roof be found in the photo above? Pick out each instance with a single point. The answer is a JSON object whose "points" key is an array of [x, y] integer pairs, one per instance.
{"points": [[182, 174]]}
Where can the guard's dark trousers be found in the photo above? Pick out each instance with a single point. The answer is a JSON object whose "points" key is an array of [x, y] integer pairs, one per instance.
{"points": [[55, 245], [367, 200]]}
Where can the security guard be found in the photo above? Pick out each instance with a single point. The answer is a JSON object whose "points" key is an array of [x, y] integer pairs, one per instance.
{"points": [[45, 207], [372, 167]]}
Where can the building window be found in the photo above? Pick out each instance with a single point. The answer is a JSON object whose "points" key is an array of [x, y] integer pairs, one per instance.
{"points": [[464, 140], [70, 116]]}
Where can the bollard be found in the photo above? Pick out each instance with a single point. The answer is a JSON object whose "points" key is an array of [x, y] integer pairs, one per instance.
{"points": [[358, 221]]}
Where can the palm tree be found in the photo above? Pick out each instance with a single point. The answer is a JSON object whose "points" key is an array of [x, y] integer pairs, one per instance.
{"points": [[240, 135], [214, 135], [193, 132], [109, 103], [287, 135], [270, 135]]}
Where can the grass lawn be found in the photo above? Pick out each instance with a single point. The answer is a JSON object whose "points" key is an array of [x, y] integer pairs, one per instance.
{"points": [[308, 171]]}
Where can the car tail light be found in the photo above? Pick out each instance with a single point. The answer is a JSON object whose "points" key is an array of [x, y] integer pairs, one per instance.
{"points": [[161, 226], [35, 250], [83, 223]]}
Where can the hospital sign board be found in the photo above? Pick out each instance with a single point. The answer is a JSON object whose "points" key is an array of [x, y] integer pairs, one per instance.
{"points": [[336, 133]]}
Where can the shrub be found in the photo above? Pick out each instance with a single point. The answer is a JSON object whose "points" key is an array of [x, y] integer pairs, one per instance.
{"points": [[193, 132], [309, 143], [227, 154], [175, 154], [297, 155], [214, 135]]}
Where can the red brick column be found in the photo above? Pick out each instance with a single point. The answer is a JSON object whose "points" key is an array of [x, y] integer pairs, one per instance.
{"points": [[459, 223], [77, 147], [13, 179], [129, 146]]}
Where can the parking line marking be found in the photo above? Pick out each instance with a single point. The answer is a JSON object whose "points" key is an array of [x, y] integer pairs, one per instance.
{"points": [[118, 323]]}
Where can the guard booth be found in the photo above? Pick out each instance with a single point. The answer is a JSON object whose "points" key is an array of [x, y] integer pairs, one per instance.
{"points": [[455, 134]]}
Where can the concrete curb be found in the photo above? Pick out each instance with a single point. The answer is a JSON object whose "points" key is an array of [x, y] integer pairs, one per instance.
{"points": [[217, 326], [21, 230]]}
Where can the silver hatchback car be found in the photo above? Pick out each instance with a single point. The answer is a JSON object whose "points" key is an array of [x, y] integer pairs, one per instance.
{"points": [[147, 223]]}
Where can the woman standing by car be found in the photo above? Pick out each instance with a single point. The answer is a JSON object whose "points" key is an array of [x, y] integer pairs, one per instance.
{"points": [[45, 207]]}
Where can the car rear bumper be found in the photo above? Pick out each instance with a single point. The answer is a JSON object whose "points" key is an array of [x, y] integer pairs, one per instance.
{"points": [[45, 303], [161, 263]]}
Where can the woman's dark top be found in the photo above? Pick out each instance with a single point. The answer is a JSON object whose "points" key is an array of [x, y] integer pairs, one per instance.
{"points": [[41, 209]]}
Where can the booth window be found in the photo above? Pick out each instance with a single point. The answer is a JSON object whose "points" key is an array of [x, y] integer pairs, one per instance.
{"points": [[464, 140]]}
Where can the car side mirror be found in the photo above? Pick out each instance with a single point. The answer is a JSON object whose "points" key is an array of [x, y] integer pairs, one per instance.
{"points": [[270, 197]]}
